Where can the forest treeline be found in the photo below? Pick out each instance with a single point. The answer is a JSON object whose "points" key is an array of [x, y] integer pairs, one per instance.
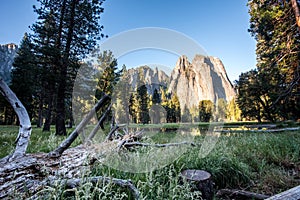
{"points": [[66, 31]]}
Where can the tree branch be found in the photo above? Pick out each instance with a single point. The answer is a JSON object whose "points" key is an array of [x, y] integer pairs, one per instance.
{"points": [[129, 144], [25, 125], [99, 124], [65, 144]]}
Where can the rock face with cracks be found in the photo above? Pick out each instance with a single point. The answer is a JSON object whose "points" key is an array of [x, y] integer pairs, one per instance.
{"points": [[204, 78]]}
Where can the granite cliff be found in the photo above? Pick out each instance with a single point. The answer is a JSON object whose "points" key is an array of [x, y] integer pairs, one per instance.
{"points": [[204, 78], [152, 78]]}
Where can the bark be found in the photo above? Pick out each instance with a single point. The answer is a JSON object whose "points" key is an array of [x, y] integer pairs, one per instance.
{"points": [[25, 124], [66, 144]]}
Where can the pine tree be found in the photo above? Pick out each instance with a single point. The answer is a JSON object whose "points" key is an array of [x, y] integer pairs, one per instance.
{"points": [[273, 24], [249, 97], [143, 102], [65, 32], [156, 97], [206, 108], [221, 110], [109, 75], [121, 97], [233, 111], [175, 109], [24, 75], [134, 107]]}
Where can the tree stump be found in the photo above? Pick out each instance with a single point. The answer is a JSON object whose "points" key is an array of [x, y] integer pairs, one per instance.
{"points": [[199, 180]]}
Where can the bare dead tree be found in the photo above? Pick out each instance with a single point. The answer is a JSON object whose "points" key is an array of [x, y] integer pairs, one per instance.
{"points": [[25, 124]]}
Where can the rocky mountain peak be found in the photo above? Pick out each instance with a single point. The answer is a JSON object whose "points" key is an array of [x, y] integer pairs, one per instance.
{"points": [[203, 79], [153, 78]]}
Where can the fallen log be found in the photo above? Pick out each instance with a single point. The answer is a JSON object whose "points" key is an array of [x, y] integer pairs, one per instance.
{"points": [[240, 194], [291, 194], [28, 175], [24, 175]]}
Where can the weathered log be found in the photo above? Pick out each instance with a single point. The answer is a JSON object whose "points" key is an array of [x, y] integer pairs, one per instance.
{"points": [[291, 194], [240, 194], [29, 174], [200, 180], [25, 124]]}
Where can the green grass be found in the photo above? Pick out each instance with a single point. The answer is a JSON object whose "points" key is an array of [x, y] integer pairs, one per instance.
{"points": [[39, 141], [261, 162]]}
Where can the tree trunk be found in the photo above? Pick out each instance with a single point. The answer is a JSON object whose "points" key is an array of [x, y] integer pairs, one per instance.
{"points": [[25, 124], [200, 180], [40, 112], [48, 119], [295, 7], [61, 95]]}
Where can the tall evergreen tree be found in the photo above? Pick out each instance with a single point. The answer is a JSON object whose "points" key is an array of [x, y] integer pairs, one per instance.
{"points": [[156, 97], [221, 110], [121, 97], [24, 75], [143, 100], [206, 108], [109, 75], [65, 32], [134, 107], [248, 98], [274, 26]]}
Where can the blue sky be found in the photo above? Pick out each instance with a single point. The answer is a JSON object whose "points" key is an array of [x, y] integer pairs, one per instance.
{"points": [[219, 26]]}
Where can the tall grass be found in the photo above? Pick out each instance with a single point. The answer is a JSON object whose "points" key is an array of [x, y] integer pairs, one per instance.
{"points": [[260, 162]]}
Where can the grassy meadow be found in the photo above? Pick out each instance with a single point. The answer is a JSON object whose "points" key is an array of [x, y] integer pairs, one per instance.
{"points": [[261, 162]]}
